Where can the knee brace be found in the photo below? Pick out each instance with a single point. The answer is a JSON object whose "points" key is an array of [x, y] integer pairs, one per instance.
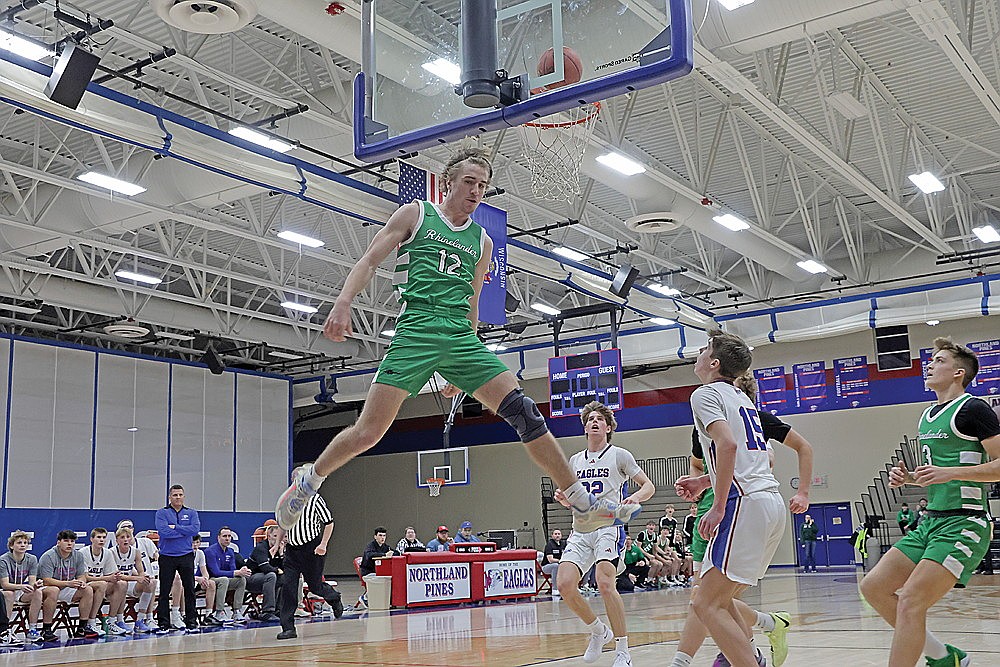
{"points": [[522, 414]]}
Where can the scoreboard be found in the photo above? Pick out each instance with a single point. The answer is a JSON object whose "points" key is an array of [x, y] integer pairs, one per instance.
{"points": [[578, 379]]}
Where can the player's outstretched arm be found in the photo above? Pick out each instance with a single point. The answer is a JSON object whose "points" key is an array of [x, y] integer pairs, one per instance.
{"points": [[800, 501], [399, 227]]}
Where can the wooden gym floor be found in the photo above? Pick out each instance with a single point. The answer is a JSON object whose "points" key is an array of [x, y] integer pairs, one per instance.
{"points": [[831, 626]]}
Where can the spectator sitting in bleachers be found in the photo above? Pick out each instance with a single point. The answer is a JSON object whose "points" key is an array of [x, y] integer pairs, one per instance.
{"points": [[64, 571], [377, 548], [265, 563], [229, 573], [636, 565], [465, 533], [103, 575], [128, 561], [550, 559], [203, 582], [19, 580], [410, 541], [440, 541]]}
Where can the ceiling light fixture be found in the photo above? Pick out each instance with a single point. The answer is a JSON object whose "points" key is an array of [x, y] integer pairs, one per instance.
{"points": [[496, 347], [812, 266], [301, 307], [278, 354], [138, 277], [662, 321], [301, 239], [545, 308], [174, 336], [132, 429], [927, 182], [933, 323], [22, 47], [110, 183], [731, 222], [569, 253], [389, 333], [734, 4], [621, 164], [445, 69], [665, 290], [261, 139], [987, 233], [847, 105]]}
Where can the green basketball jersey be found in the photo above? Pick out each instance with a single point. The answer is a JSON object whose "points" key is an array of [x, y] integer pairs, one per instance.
{"points": [[437, 264], [942, 445]]}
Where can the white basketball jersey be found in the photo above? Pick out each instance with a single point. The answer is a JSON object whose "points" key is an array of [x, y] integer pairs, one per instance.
{"points": [[721, 400], [100, 564], [605, 473], [124, 561]]}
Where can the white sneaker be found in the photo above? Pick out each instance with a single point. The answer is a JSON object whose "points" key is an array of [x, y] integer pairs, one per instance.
{"points": [[301, 613], [96, 627], [556, 594], [240, 617], [601, 510], [293, 501], [118, 628], [597, 643], [622, 660], [176, 620]]}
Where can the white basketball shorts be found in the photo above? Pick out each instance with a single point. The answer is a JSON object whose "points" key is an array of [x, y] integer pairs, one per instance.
{"points": [[747, 538], [585, 549]]}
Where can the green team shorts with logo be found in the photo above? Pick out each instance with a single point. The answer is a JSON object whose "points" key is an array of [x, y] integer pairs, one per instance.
{"points": [[429, 340], [699, 543], [956, 542]]}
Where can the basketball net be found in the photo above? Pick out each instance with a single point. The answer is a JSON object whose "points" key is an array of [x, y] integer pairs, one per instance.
{"points": [[434, 485], [554, 148]]}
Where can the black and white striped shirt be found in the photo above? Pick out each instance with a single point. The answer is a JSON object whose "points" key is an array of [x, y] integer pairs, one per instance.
{"points": [[314, 518]]}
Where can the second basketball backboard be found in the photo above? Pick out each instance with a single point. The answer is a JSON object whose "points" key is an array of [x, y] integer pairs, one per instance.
{"points": [[405, 97]]}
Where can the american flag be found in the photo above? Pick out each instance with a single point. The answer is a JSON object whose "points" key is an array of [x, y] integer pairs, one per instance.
{"points": [[417, 183]]}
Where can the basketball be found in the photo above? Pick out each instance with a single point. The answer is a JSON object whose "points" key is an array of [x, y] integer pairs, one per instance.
{"points": [[572, 67]]}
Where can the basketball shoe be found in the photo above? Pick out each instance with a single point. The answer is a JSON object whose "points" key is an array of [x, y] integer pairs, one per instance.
{"points": [[723, 661], [778, 637], [596, 644], [293, 500], [955, 658], [602, 509]]}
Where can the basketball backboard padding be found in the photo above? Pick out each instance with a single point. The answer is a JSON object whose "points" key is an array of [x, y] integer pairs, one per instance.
{"points": [[402, 103]]}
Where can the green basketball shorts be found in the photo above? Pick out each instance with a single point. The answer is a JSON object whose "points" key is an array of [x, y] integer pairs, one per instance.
{"points": [[430, 340], [699, 543], [956, 542]]}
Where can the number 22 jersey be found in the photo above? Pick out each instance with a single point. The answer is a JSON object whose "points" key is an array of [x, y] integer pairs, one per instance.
{"points": [[605, 473]]}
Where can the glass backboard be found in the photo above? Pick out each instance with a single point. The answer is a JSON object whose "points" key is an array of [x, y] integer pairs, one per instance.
{"points": [[405, 97]]}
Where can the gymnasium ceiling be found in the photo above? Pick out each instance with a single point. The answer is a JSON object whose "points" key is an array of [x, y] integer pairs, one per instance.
{"points": [[752, 129]]}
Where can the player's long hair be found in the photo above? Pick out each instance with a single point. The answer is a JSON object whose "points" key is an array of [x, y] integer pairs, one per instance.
{"points": [[747, 385], [964, 357], [605, 411], [732, 353], [476, 156]]}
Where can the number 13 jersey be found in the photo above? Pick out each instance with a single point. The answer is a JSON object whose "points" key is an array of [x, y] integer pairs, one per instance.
{"points": [[436, 265], [721, 400]]}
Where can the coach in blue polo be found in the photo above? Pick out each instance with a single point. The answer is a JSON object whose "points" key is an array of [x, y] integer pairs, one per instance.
{"points": [[176, 525]]}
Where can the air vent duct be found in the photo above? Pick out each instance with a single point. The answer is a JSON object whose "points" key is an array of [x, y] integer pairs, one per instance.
{"points": [[206, 17]]}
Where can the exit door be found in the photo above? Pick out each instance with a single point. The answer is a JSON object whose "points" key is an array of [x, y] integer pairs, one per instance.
{"points": [[833, 543]]}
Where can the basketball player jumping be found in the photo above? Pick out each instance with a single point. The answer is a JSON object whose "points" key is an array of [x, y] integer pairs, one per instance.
{"points": [[605, 470], [442, 257], [747, 519], [958, 436]]}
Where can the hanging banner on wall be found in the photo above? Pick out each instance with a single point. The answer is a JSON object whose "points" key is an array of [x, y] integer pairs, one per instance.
{"points": [[987, 381], [771, 394], [851, 378], [925, 358], [493, 298], [810, 385]]}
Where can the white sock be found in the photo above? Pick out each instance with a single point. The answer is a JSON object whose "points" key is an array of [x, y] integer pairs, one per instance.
{"points": [[681, 660], [765, 621], [578, 497], [144, 600], [120, 618], [596, 628], [933, 648], [310, 477], [177, 609], [621, 644]]}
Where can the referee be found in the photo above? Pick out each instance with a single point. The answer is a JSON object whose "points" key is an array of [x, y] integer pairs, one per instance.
{"points": [[305, 555]]}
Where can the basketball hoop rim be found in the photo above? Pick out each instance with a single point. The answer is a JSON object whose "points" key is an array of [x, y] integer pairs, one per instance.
{"points": [[436, 480], [568, 123]]}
